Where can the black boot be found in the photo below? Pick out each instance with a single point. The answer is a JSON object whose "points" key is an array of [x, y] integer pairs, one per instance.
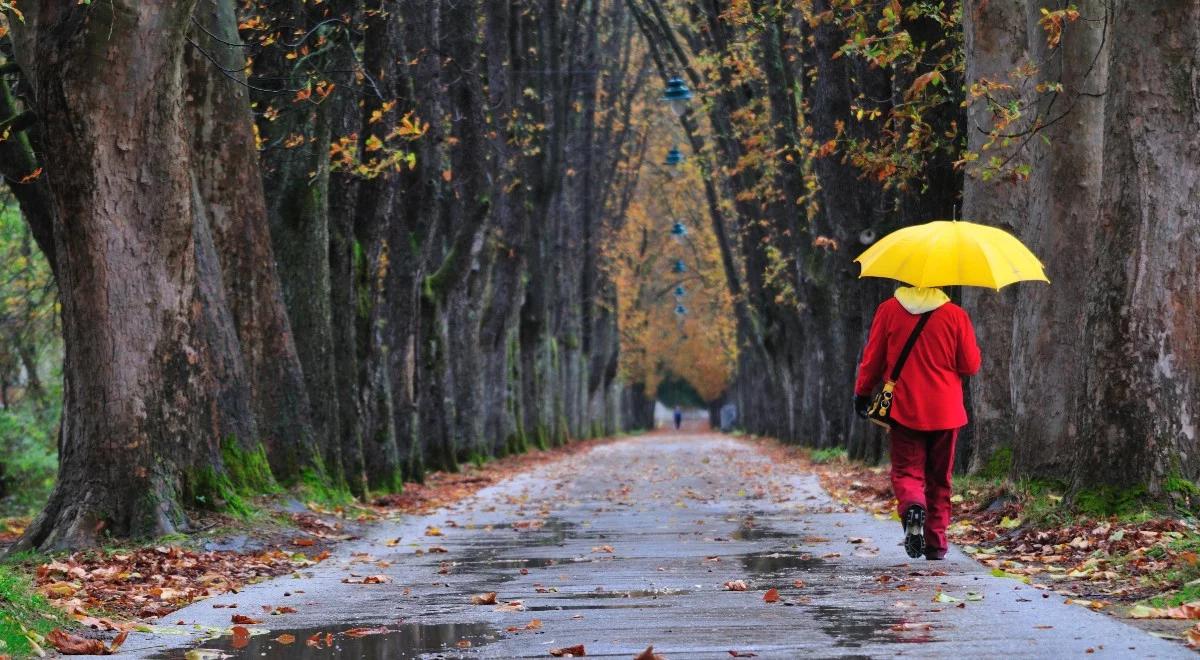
{"points": [[914, 531]]}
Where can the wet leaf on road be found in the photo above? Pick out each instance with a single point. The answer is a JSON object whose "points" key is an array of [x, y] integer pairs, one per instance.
{"points": [[244, 620], [286, 639], [365, 632], [649, 654], [771, 596], [576, 651], [71, 644], [488, 598], [743, 654], [735, 585]]}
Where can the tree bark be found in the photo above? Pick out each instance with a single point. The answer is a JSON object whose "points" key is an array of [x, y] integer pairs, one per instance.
{"points": [[153, 378], [1142, 370], [225, 166]]}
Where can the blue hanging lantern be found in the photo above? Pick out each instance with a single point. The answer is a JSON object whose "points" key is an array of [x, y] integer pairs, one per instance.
{"points": [[679, 232], [679, 267], [680, 310], [680, 292], [674, 158], [677, 96]]}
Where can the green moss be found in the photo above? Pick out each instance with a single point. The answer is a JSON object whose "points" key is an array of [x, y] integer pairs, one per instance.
{"points": [[999, 464], [516, 443], [316, 487], [248, 469], [23, 614], [1109, 501], [1181, 486], [207, 488], [562, 433]]}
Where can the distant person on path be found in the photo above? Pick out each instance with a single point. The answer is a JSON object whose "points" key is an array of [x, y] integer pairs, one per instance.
{"points": [[678, 418], [928, 411]]}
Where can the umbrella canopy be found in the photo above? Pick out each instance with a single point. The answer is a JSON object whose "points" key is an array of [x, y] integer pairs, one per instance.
{"points": [[951, 253]]}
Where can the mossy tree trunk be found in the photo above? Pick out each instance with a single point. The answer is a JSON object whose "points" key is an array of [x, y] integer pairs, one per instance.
{"points": [[153, 376]]}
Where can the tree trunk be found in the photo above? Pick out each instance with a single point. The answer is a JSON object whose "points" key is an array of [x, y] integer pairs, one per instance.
{"points": [[225, 165], [153, 378], [1142, 370]]}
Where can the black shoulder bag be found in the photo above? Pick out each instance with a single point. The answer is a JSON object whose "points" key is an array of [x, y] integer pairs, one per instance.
{"points": [[880, 411]]}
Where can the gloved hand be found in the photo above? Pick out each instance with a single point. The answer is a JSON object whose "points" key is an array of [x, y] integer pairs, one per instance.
{"points": [[862, 403]]}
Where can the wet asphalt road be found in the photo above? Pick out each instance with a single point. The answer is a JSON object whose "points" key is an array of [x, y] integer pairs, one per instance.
{"points": [[630, 545]]}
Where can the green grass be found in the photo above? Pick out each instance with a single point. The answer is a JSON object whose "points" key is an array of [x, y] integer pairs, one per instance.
{"points": [[828, 455], [22, 611]]}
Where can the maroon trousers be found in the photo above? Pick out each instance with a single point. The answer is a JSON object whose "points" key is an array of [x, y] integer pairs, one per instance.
{"points": [[922, 463]]}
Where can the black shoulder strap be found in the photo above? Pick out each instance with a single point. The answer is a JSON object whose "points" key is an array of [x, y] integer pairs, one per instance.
{"points": [[908, 346]]}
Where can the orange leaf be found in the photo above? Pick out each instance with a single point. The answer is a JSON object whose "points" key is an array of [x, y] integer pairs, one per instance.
{"points": [[364, 632], [304, 543], [32, 176], [245, 620], [286, 639], [649, 654], [576, 651], [488, 598], [69, 644], [772, 596]]}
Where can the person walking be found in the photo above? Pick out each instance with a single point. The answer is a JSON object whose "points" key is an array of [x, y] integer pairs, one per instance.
{"points": [[678, 417], [927, 346]]}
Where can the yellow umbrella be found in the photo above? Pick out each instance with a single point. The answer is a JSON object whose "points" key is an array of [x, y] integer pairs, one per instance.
{"points": [[951, 253]]}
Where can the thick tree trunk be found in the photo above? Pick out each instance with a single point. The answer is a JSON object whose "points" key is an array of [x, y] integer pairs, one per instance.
{"points": [[225, 166], [1026, 415], [295, 176], [153, 378], [1143, 363]]}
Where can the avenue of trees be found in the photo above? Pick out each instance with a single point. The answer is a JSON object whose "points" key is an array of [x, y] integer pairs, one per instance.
{"points": [[825, 124], [333, 244], [338, 244]]}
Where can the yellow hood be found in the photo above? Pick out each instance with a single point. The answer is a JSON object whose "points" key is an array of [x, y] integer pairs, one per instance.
{"points": [[918, 300]]}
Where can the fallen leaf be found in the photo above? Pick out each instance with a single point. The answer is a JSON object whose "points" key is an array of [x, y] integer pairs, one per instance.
{"points": [[735, 585], [743, 654], [304, 543], [244, 620], [433, 531], [649, 654], [772, 596], [71, 644], [576, 651], [488, 598], [286, 639], [370, 579], [603, 548], [364, 632]]}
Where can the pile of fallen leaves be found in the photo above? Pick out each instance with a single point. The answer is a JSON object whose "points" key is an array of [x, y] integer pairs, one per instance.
{"points": [[153, 582]]}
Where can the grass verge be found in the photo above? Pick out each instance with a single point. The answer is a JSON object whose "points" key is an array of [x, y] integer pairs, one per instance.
{"points": [[25, 616]]}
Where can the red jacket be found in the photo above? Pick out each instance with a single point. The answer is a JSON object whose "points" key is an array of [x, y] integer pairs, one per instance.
{"points": [[929, 394]]}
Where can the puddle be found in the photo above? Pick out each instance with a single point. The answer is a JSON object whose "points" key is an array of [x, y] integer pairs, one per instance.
{"points": [[748, 532], [407, 640], [770, 563], [531, 562], [623, 606], [852, 628], [631, 593]]}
